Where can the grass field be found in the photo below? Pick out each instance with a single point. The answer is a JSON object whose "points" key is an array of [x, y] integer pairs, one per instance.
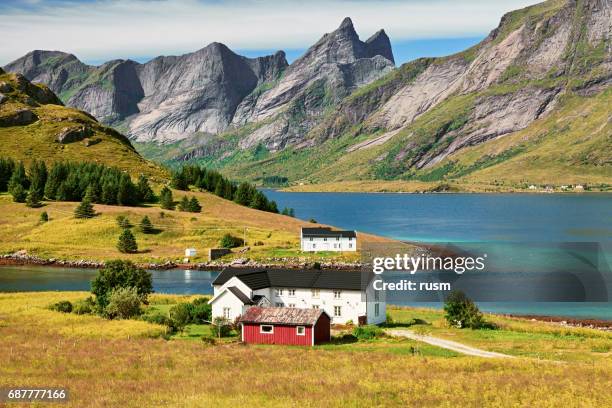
{"points": [[65, 237], [125, 363]]}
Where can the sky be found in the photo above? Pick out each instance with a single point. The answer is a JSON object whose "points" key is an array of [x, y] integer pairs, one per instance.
{"points": [[100, 30]]}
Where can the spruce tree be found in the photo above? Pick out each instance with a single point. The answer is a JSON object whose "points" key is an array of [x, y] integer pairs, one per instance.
{"points": [[194, 205], [127, 242], [85, 209], [184, 204], [146, 226], [126, 193], [18, 184], [145, 193], [33, 199], [38, 177], [166, 201], [7, 166], [44, 217]]}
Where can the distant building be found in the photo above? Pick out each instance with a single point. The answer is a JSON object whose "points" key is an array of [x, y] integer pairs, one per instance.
{"points": [[325, 239], [190, 252], [532, 187], [344, 295], [579, 187], [283, 325]]}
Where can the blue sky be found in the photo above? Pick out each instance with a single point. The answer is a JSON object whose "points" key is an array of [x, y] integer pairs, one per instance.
{"points": [[99, 30]]}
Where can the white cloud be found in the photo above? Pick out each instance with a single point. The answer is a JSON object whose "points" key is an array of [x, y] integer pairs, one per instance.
{"points": [[136, 28]]}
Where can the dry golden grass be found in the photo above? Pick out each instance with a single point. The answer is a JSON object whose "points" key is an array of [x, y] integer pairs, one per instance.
{"points": [[115, 370], [65, 237]]}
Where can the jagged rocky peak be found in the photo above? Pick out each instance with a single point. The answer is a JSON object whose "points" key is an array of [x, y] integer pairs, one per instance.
{"points": [[344, 46]]}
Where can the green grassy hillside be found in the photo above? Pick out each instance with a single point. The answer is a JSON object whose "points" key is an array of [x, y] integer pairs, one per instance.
{"points": [[32, 118]]}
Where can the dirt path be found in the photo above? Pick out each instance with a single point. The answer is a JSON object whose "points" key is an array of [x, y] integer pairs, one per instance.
{"points": [[447, 344]]}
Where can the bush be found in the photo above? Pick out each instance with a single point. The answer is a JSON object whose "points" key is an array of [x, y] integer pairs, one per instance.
{"points": [[123, 303], [221, 327], [181, 315], [44, 217], [63, 306], [229, 241], [201, 313], [209, 340], [162, 320], [120, 274], [127, 243], [461, 312], [82, 307], [123, 221], [367, 332]]}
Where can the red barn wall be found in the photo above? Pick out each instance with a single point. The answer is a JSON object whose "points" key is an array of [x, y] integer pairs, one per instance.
{"points": [[282, 335], [322, 330]]}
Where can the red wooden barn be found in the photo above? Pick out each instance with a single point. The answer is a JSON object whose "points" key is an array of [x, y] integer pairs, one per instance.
{"points": [[285, 325]]}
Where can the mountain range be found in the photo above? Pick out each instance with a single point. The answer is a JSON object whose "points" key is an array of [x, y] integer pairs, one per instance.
{"points": [[530, 103]]}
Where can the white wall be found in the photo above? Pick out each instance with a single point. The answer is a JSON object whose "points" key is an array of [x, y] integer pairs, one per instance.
{"points": [[316, 244], [227, 299]]}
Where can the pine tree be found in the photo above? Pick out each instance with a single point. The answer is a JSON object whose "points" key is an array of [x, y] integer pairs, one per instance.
{"points": [[85, 209], [244, 194], [146, 226], [91, 194], [179, 180], [194, 205], [44, 217], [126, 194], [166, 201], [127, 242], [123, 221], [184, 204], [33, 199], [145, 193], [7, 166], [18, 184], [38, 177]]}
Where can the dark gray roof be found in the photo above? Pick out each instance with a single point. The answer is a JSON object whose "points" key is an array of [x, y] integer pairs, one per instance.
{"points": [[297, 278], [282, 315], [327, 233], [241, 296]]}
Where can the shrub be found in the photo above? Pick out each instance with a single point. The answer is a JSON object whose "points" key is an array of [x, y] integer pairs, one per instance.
{"points": [[221, 327], [201, 313], [181, 315], [258, 243], [461, 312], [389, 319], [123, 303], [146, 227], [127, 243], [209, 340], [33, 199], [123, 221], [63, 306], [367, 332], [160, 319], [44, 217], [229, 241], [82, 307], [120, 274]]}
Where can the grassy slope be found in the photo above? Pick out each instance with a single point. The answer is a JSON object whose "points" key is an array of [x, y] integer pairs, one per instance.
{"points": [[109, 363], [63, 236], [38, 140]]}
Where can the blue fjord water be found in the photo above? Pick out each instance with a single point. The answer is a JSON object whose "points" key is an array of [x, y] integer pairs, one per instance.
{"points": [[517, 226]]}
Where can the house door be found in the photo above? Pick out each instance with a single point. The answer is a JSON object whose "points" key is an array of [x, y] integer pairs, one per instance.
{"points": [[363, 320]]}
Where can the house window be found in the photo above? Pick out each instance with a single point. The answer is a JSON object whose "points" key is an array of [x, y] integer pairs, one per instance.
{"points": [[337, 238], [376, 309], [266, 329], [350, 245], [292, 305], [278, 304], [337, 311], [300, 331], [279, 292], [314, 246], [337, 294], [325, 239], [226, 312], [316, 307], [311, 239], [291, 292], [316, 293]]}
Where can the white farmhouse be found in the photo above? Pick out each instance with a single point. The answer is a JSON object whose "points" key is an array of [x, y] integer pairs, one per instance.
{"points": [[325, 239], [346, 296]]}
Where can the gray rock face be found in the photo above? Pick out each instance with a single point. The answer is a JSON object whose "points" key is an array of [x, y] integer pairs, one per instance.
{"points": [[73, 134], [3, 98], [166, 99], [171, 98], [18, 118]]}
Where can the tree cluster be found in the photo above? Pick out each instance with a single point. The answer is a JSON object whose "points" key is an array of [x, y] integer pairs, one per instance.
{"points": [[212, 181], [72, 181]]}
